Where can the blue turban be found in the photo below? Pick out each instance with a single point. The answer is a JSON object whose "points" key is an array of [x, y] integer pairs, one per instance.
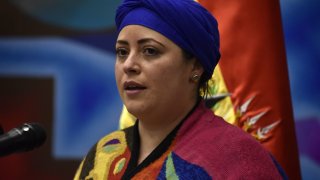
{"points": [[184, 22]]}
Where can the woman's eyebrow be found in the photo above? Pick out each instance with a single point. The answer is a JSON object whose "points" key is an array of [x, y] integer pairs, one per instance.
{"points": [[146, 40], [123, 42]]}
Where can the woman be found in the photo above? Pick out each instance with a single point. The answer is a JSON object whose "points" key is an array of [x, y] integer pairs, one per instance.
{"points": [[166, 52]]}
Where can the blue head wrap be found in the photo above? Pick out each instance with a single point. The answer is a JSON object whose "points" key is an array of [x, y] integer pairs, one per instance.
{"points": [[184, 22]]}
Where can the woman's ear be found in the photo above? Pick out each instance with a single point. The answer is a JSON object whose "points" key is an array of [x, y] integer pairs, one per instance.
{"points": [[197, 70]]}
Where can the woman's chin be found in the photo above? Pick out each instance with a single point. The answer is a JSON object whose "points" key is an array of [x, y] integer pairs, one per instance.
{"points": [[136, 109]]}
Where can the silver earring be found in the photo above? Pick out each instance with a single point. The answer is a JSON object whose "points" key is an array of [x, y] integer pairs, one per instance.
{"points": [[195, 78]]}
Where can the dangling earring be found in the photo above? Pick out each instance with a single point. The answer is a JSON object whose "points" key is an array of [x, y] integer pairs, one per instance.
{"points": [[195, 78]]}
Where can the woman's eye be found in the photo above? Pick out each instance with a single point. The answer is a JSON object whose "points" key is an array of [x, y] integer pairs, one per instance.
{"points": [[121, 52], [150, 52]]}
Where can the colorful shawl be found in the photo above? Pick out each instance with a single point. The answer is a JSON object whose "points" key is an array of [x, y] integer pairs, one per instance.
{"points": [[203, 146]]}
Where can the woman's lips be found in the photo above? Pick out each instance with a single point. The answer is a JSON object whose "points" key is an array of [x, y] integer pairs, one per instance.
{"points": [[133, 88]]}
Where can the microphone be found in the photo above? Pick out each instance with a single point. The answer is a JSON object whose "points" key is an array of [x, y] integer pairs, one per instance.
{"points": [[21, 139]]}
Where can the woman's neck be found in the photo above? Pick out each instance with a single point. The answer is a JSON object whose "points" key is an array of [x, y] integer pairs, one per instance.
{"points": [[154, 131]]}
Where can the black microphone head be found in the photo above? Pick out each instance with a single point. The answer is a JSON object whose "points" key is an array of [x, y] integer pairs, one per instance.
{"points": [[35, 135], [24, 138]]}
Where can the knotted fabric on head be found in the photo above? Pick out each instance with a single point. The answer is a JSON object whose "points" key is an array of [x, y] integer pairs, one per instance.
{"points": [[184, 22]]}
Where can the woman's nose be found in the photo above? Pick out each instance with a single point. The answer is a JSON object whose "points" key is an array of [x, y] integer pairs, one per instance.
{"points": [[131, 65]]}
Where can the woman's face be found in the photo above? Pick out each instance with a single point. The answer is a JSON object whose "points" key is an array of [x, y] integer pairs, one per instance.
{"points": [[151, 72]]}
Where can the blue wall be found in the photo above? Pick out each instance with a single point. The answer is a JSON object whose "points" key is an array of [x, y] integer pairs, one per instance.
{"points": [[302, 36]]}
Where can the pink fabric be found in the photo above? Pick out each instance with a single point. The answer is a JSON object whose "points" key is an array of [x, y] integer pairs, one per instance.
{"points": [[223, 150]]}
